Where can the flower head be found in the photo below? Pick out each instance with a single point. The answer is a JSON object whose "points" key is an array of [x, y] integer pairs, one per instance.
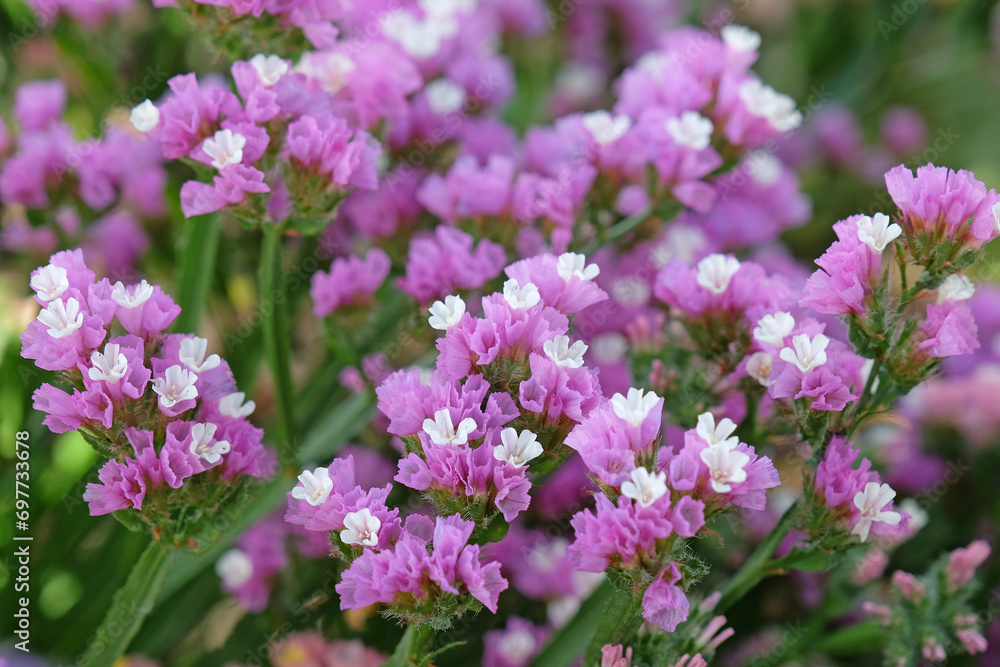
{"points": [[520, 297], [878, 231], [774, 328], [517, 448], [871, 502], [49, 282], [204, 445], [692, 130], [361, 528], [645, 488], [715, 272], [605, 128], [563, 354], [635, 407], [144, 116], [446, 314], [192, 355], [315, 488], [109, 366], [442, 430], [133, 296], [572, 264], [808, 353], [62, 318], [726, 466], [225, 148], [175, 385], [269, 68], [715, 434]]}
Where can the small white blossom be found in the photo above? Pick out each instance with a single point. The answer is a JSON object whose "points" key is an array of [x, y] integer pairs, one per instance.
{"points": [[740, 38], [636, 407], [109, 366], [878, 231], [809, 353], [132, 296], [442, 430], [645, 488], [563, 354], [517, 448], [726, 466], [609, 348], [520, 297], [176, 385], [204, 445], [764, 168], [763, 101], [316, 486], [225, 148], [605, 128], [144, 116], [446, 314], [759, 367], [773, 328], [631, 291], [361, 528], [715, 272], [692, 130], [516, 646], [234, 568], [232, 405], [50, 282], [420, 39], [444, 96], [717, 434], [269, 68], [955, 287], [62, 318], [192, 355], [572, 264], [871, 503]]}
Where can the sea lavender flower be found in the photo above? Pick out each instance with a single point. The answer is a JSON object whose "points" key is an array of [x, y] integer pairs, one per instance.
{"points": [[350, 281]]}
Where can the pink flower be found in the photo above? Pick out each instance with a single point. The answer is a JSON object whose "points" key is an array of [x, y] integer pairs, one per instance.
{"points": [[350, 280], [962, 563], [664, 603], [439, 265]]}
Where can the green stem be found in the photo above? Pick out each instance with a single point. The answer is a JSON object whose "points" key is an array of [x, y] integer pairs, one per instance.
{"points": [[413, 648], [197, 268], [130, 606], [755, 569], [621, 620], [273, 304]]}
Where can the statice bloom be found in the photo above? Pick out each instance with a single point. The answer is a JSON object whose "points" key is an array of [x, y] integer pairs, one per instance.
{"points": [[720, 286], [949, 330], [850, 269], [857, 494], [327, 499], [813, 367], [515, 645], [350, 281], [257, 556], [564, 282], [445, 262], [327, 145], [938, 204], [468, 190], [664, 603], [429, 561]]}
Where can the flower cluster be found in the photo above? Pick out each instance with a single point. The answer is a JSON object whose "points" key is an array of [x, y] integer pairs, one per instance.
{"points": [[93, 193], [157, 405]]}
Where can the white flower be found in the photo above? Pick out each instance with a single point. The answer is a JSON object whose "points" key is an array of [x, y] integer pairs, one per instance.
{"points": [[517, 449], [715, 272], [419, 39], [764, 168], [645, 488], [446, 7], [192, 355], [443, 432], [516, 646], [234, 568], [691, 129], [725, 467], [444, 96], [609, 348], [50, 282], [110, 366], [132, 296], [774, 328], [361, 528], [759, 367], [871, 502], [572, 264], [176, 385], [144, 116], [520, 297], [605, 128], [269, 68], [715, 434], [631, 291], [563, 354], [225, 148], [636, 407], [204, 445], [809, 353], [955, 287], [315, 488], [740, 38], [446, 314], [62, 318], [996, 216], [763, 101], [878, 231], [232, 405]]}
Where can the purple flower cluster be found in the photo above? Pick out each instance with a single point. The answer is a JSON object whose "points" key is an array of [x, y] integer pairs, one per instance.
{"points": [[155, 403], [99, 188]]}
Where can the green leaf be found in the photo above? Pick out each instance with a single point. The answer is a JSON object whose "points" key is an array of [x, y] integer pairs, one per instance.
{"points": [[853, 640], [621, 619], [273, 299], [130, 606], [566, 645], [340, 425], [197, 267]]}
